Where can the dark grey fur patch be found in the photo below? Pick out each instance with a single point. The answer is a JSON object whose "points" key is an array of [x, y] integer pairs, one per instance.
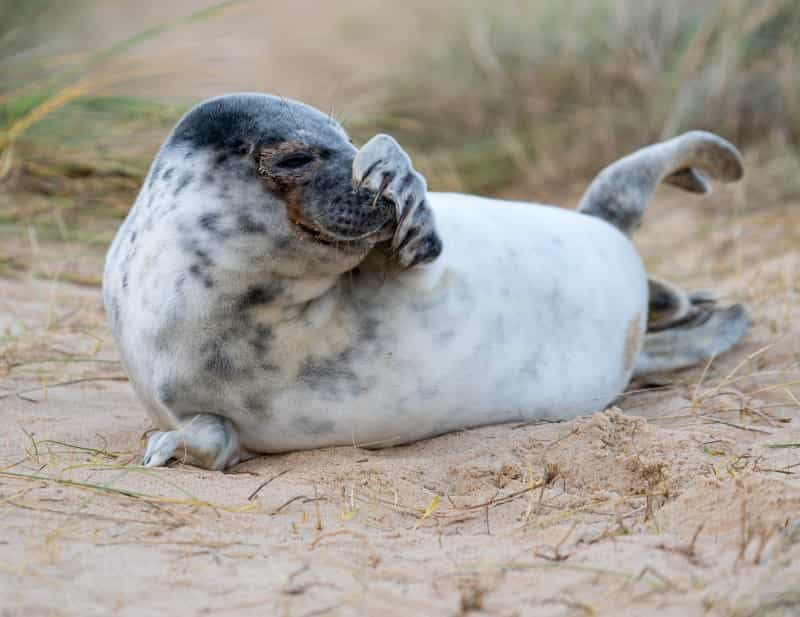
{"points": [[247, 224], [256, 403], [330, 375], [619, 196], [154, 172], [258, 295], [310, 426], [165, 393], [210, 221], [200, 273], [261, 340], [217, 361], [185, 179], [234, 124], [115, 313], [368, 328]]}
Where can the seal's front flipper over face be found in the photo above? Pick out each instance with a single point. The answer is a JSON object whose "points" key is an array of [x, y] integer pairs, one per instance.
{"points": [[383, 167]]}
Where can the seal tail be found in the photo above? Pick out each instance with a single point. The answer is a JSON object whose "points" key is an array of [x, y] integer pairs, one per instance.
{"points": [[620, 193]]}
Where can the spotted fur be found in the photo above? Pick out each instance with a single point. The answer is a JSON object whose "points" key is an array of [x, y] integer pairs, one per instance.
{"points": [[275, 288]]}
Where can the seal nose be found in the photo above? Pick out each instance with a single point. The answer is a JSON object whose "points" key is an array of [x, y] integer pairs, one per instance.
{"points": [[357, 214], [333, 206]]}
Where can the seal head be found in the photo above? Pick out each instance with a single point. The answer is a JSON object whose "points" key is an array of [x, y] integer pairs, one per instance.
{"points": [[300, 156]]}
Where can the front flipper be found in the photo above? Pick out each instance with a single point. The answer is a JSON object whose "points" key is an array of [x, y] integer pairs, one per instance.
{"points": [[383, 167], [205, 440]]}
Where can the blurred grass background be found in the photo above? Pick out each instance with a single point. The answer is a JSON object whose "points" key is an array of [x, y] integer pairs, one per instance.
{"points": [[523, 99]]}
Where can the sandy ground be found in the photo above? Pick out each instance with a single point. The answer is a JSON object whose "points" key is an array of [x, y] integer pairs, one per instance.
{"points": [[674, 504]]}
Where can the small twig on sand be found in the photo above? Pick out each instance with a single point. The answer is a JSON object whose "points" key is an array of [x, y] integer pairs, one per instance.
{"points": [[374, 558], [62, 384], [557, 555], [739, 426], [265, 483]]}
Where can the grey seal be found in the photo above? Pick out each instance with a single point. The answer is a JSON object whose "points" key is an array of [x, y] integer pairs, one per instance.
{"points": [[275, 288]]}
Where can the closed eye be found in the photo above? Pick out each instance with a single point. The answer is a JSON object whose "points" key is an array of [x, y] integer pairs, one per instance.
{"points": [[294, 161]]}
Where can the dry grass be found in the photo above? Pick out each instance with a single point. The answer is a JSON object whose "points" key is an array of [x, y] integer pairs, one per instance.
{"points": [[529, 94], [555, 89]]}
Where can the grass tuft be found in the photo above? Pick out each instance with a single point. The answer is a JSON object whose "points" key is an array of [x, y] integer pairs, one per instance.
{"points": [[553, 90]]}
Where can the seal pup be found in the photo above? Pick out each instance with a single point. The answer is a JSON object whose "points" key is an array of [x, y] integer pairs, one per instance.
{"points": [[275, 288]]}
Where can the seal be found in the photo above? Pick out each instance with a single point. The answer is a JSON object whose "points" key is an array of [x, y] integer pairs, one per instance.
{"points": [[274, 288]]}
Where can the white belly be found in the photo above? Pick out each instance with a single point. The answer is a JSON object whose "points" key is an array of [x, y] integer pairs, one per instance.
{"points": [[531, 311]]}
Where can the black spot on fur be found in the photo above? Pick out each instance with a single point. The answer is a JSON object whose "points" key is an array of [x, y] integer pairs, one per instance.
{"points": [[248, 225], [165, 393], [186, 178], [115, 310], [168, 173], [203, 257], [210, 222], [257, 295], [256, 404], [217, 361], [330, 375], [154, 174], [198, 272], [261, 340], [310, 426], [368, 329]]}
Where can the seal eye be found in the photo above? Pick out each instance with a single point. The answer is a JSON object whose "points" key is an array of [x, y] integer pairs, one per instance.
{"points": [[295, 161]]}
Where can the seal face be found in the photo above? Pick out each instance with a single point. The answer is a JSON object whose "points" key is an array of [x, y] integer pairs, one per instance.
{"points": [[275, 288]]}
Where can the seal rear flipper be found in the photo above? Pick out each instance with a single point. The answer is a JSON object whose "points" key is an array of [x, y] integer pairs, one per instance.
{"points": [[620, 193], [710, 332], [670, 305], [206, 440]]}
